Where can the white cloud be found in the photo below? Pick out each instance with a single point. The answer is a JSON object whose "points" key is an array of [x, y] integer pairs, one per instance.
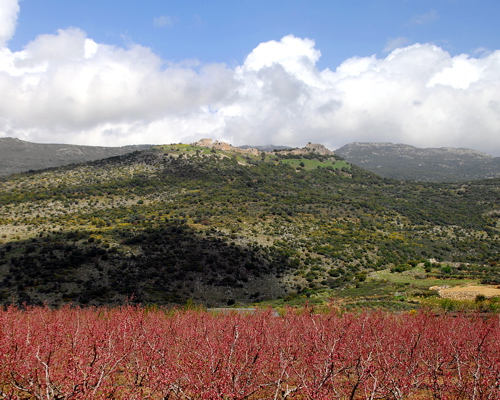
{"points": [[418, 95], [9, 9], [460, 74], [426, 18], [163, 20], [68, 88]]}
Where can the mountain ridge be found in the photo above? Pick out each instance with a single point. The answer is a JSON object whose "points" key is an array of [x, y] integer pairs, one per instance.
{"points": [[402, 161], [397, 161], [17, 155]]}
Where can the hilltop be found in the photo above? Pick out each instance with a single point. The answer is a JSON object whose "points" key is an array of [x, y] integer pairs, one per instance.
{"points": [[314, 148], [217, 226], [401, 161]]}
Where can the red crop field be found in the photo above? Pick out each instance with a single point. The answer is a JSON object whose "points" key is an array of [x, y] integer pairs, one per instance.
{"points": [[136, 353]]}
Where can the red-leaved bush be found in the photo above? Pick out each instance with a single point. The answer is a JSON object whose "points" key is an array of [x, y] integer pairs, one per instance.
{"points": [[135, 353]]}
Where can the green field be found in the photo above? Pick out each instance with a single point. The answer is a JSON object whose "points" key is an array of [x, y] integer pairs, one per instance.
{"points": [[308, 164]]}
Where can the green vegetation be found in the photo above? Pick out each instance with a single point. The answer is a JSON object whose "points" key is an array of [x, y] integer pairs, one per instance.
{"points": [[181, 223], [309, 164]]}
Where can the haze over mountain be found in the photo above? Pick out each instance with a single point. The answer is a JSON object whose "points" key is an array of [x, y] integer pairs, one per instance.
{"points": [[402, 161]]}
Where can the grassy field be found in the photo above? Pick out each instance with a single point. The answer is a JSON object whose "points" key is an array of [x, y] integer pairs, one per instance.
{"points": [[417, 278], [313, 164]]}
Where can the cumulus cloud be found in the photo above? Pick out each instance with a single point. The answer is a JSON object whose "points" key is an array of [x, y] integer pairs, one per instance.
{"points": [[8, 18], [65, 87], [418, 94]]}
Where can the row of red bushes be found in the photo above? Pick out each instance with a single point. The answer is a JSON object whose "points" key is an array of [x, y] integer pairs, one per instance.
{"points": [[134, 353]]}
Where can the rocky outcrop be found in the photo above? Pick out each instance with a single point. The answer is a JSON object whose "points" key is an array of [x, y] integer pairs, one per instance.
{"points": [[217, 145], [318, 149], [309, 148]]}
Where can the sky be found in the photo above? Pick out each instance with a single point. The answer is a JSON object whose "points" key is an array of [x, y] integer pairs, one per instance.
{"points": [[283, 72]]}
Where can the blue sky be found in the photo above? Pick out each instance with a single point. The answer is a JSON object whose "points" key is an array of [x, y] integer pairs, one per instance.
{"points": [[226, 31], [115, 72]]}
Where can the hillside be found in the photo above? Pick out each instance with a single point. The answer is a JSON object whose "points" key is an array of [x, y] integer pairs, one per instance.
{"points": [[19, 156], [183, 223], [401, 161]]}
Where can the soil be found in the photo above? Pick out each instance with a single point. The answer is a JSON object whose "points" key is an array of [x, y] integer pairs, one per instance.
{"points": [[467, 292]]}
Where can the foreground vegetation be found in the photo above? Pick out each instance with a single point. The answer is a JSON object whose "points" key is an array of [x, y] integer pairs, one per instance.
{"points": [[137, 353], [181, 223]]}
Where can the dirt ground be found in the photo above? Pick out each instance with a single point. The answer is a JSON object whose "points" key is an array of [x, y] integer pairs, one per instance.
{"points": [[467, 292]]}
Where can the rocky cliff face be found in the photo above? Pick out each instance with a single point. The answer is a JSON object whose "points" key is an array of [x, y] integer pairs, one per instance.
{"points": [[401, 161]]}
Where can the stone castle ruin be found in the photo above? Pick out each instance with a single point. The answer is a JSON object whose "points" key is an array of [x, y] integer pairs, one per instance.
{"points": [[217, 145]]}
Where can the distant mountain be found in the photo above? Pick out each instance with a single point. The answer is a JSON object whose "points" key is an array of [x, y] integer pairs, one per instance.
{"points": [[19, 156], [402, 161]]}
